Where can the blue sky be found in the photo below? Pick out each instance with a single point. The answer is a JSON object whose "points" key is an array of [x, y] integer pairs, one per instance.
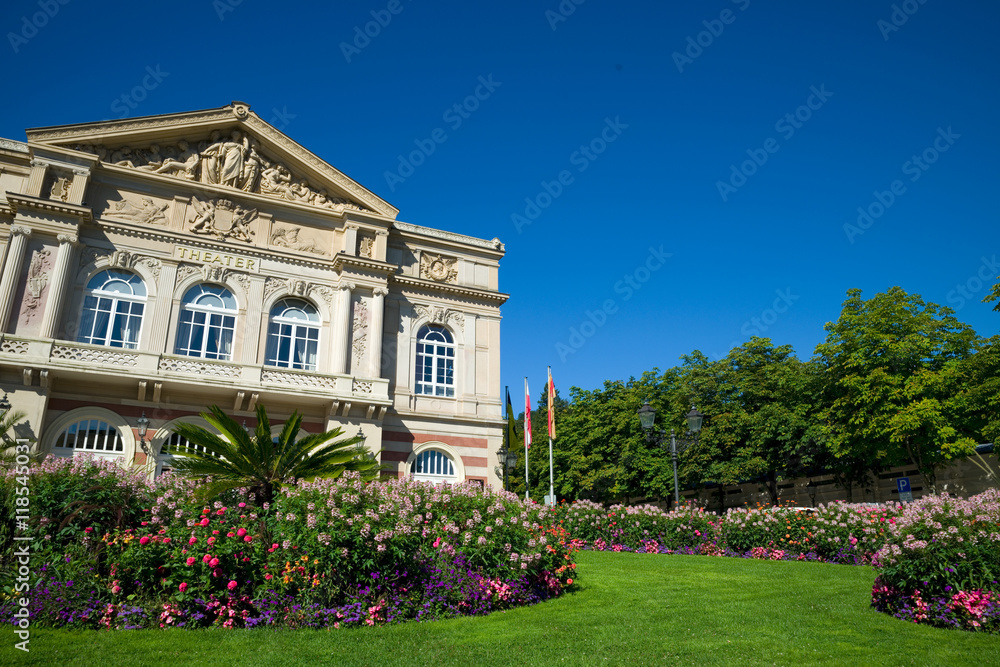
{"points": [[622, 123]]}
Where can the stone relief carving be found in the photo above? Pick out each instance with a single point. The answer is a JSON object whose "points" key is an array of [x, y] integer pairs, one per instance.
{"points": [[60, 189], [360, 332], [298, 287], [234, 161], [366, 247], [223, 219], [214, 273], [291, 238], [121, 259], [272, 285], [438, 268], [243, 280], [147, 212], [322, 292], [439, 315], [38, 278], [185, 271]]}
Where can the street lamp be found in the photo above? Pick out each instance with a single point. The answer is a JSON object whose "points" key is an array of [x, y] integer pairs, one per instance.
{"points": [[811, 490], [143, 424], [361, 437], [508, 459], [4, 403], [647, 417]]}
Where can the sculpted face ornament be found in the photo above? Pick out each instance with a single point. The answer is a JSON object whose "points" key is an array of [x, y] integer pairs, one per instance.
{"points": [[438, 268]]}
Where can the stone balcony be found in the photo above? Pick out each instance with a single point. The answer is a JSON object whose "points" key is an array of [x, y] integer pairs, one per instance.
{"points": [[48, 358]]}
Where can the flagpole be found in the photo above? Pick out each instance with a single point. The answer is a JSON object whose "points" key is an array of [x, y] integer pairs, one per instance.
{"points": [[527, 438], [552, 488]]}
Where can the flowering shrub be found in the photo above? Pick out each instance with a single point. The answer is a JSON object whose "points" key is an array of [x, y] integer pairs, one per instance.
{"points": [[838, 532], [941, 563], [330, 552], [637, 527]]}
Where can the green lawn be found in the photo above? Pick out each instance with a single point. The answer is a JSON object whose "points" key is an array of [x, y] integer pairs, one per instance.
{"points": [[629, 609]]}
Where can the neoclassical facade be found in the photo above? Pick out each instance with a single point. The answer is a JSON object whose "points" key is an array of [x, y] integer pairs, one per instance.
{"points": [[155, 266]]}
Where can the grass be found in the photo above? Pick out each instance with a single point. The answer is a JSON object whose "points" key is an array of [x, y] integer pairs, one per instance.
{"points": [[629, 609]]}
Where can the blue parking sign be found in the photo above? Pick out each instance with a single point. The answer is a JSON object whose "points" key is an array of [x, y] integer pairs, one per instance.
{"points": [[905, 491]]}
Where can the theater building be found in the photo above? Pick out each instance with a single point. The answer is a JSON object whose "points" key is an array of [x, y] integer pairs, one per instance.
{"points": [[155, 266]]}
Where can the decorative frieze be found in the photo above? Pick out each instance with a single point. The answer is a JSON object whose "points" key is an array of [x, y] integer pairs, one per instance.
{"points": [[223, 219], [438, 268], [145, 212]]}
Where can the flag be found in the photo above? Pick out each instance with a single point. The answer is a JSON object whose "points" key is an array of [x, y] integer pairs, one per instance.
{"points": [[511, 424], [552, 407], [527, 416]]}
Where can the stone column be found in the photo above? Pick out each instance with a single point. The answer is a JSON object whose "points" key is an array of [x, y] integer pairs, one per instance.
{"points": [[12, 270], [340, 329], [158, 327], [57, 285], [375, 332], [254, 317], [351, 240]]}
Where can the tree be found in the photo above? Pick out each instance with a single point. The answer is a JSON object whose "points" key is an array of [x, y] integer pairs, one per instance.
{"points": [[892, 363], [263, 464], [994, 295]]}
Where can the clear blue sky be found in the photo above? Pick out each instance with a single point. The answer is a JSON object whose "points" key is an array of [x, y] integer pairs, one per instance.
{"points": [[678, 124]]}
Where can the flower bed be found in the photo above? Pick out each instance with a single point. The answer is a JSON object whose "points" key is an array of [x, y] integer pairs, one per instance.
{"points": [[326, 554]]}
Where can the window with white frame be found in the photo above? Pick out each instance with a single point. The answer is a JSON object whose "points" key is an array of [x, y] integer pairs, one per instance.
{"points": [[293, 336], [207, 323], [433, 465], [177, 444], [90, 436], [112, 309], [435, 361]]}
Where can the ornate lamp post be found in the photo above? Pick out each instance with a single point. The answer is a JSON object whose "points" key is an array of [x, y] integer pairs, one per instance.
{"points": [[508, 459], [647, 416], [143, 425], [811, 489]]}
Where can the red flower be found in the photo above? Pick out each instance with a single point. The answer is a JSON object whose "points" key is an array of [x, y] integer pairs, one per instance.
{"points": [[88, 529], [143, 540], [231, 585], [182, 587]]}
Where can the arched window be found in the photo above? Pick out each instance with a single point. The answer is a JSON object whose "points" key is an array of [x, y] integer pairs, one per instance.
{"points": [[435, 361], [165, 459], [432, 465], [90, 436], [112, 309], [293, 337], [207, 324]]}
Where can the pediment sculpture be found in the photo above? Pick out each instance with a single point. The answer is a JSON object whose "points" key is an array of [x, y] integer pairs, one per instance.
{"points": [[233, 161]]}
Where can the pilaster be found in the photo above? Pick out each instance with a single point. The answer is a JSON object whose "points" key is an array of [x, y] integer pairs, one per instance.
{"points": [[12, 270], [58, 285]]}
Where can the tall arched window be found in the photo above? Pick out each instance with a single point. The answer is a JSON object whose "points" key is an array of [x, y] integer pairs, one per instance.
{"points": [[293, 337], [435, 361], [89, 436], [432, 465], [208, 322], [112, 309]]}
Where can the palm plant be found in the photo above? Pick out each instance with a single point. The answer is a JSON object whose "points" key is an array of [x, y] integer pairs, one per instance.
{"points": [[262, 463]]}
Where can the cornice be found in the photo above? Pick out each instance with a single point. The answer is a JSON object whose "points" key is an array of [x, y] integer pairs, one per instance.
{"points": [[18, 202], [342, 261], [405, 227], [431, 287], [12, 145]]}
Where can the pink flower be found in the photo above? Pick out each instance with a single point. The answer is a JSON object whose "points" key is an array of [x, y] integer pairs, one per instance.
{"points": [[268, 577], [206, 558], [230, 534], [88, 529], [193, 540], [203, 522], [215, 532], [243, 505], [211, 540], [214, 562], [166, 540], [221, 511], [248, 539], [116, 589], [241, 532], [231, 585], [191, 560], [143, 540], [182, 587]]}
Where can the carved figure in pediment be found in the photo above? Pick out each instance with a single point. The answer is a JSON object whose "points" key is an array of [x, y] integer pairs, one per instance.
{"points": [[232, 154], [150, 159], [147, 212], [252, 168], [122, 157], [276, 180], [185, 165], [211, 153]]}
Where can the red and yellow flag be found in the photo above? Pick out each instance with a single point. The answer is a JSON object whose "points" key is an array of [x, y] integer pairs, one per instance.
{"points": [[552, 407]]}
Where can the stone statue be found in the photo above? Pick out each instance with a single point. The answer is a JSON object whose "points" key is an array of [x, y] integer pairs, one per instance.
{"points": [[185, 167], [211, 152], [232, 153]]}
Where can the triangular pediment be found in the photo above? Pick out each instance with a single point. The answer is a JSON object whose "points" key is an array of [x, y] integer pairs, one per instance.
{"points": [[230, 147]]}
